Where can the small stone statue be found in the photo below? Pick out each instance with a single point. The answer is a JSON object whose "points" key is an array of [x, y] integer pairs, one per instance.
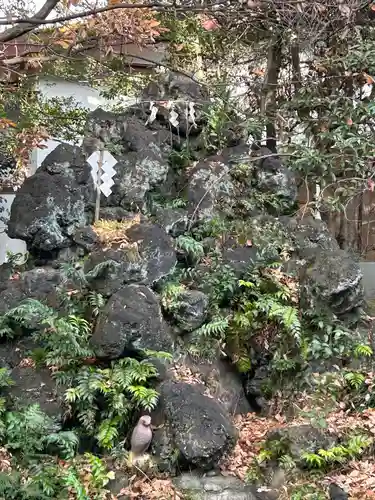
{"points": [[141, 438]]}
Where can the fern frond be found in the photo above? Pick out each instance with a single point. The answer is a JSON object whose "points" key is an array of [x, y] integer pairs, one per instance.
{"points": [[192, 247], [215, 328], [102, 269], [144, 397], [108, 433]]}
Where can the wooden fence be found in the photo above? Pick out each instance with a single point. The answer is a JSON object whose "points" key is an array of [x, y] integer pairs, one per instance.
{"points": [[354, 227]]}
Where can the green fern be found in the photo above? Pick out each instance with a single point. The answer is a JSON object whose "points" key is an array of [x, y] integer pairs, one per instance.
{"points": [[31, 431], [170, 296], [286, 462], [355, 379], [362, 350], [144, 397], [99, 476], [193, 248], [5, 378], [216, 328], [66, 441], [124, 387], [72, 481], [207, 339], [96, 301], [340, 454], [313, 460], [68, 345], [108, 433]]}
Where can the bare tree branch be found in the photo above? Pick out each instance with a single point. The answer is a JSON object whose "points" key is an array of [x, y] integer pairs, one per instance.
{"points": [[38, 20], [22, 29]]}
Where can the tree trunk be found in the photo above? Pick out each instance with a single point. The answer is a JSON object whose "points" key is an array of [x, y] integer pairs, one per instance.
{"points": [[269, 98]]}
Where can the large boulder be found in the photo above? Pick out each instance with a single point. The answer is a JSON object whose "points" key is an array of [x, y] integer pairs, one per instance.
{"points": [[295, 440], [141, 154], [54, 202], [275, 179], [155, 248], [209, 183], [216, 487], [30, 385], [131, 320], [175, 221], [198, 426], [39, 284], [109, 269], [148, 257], [188, 99], [309, 235], [234, 183], [36, 386], [224, 385], [337, 493], [331, 280], [240, 258], [190, 310]]}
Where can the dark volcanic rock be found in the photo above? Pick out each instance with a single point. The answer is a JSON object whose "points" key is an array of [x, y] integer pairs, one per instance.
{"points": [[31, 385], [34, 386], [155, 249], [309, 235], [131, 320], [332, 280], [239, 257], [86, 238], [39, 284], [188, 97], [201, 430], [255, 384], [191, 310], [217, 487], [141, 154], [174, 220], [275, 179], [117, 268], [298, 439], [54, 202], [337, 493], [224, 385], [209, 183], [149, 257]]}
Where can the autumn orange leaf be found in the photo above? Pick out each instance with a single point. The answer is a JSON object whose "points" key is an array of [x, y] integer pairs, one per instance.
{"points": [[153, 23], [369, 79], [5, 123]]}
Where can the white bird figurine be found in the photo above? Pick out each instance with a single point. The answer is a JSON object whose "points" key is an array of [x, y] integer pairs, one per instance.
{"points": [[141, 438]]}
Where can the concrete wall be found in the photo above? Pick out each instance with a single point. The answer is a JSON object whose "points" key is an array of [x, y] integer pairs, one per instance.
{"points": [[87, 97], [7, 244]]}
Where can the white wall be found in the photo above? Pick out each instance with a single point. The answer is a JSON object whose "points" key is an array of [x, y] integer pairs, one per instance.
{"points": [[7, 244], [88, 98]]}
